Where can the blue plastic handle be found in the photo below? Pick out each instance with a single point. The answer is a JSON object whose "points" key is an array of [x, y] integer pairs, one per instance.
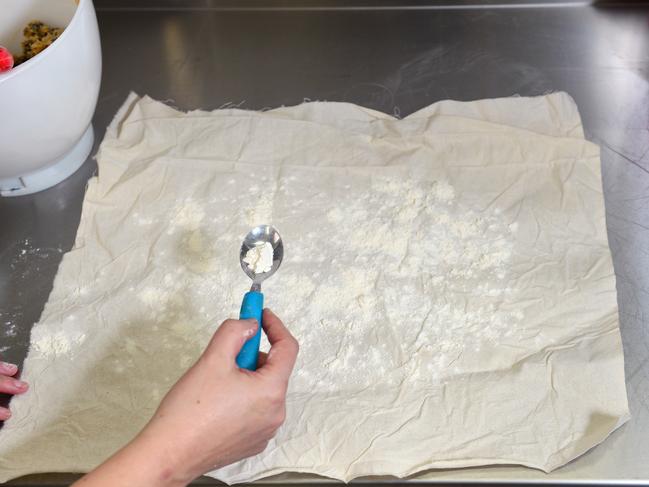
{"points": [[251, 307]]}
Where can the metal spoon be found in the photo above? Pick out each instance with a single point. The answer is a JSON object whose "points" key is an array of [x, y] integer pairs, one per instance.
{"points": [[253, 301]]}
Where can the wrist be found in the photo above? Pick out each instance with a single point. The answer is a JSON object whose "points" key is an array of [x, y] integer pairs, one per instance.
{"points": [[160, 464]]}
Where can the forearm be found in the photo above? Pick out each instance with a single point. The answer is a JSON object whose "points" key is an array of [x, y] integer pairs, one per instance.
{"points": [[141, 463]]}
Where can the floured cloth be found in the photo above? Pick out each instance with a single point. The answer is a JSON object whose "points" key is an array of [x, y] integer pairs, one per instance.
{"points": [[448, 276]]}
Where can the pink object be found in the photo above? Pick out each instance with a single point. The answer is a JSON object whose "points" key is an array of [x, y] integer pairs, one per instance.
{"points": [[6, 60]]}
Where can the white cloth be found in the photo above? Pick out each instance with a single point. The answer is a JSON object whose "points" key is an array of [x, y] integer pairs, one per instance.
{"points": [[448, 276]]}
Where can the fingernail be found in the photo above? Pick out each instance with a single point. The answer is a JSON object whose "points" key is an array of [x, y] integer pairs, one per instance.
{"points": [[252, 320], [19, 384], [4, 414], [8, 368], [270, 311]]}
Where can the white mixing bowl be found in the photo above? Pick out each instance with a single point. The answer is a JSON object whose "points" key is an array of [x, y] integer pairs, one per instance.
{"points": [[47, 103]]}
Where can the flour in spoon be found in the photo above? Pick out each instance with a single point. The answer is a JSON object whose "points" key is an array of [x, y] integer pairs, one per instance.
{"points": [[259, 258]]}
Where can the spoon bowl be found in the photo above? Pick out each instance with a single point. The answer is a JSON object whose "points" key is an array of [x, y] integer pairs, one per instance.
{"points": [[259, 236]]}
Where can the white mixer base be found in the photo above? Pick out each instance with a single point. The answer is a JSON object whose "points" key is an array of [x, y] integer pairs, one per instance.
{"points": [[53, 174]]}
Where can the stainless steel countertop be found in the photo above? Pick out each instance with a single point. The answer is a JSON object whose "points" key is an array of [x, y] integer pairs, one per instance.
{"points": [[208, 53]]}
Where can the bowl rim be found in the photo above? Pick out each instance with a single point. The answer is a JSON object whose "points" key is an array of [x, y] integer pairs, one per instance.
{"points": [[15, 71]]}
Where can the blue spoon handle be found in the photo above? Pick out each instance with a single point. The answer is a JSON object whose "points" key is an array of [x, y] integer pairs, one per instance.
{"points": [[251, 307]]}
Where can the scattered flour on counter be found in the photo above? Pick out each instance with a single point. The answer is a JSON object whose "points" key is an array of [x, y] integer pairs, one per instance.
{"points": [[9, 329], [259, 258]]}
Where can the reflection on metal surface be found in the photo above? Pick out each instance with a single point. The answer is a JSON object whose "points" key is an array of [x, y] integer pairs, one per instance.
{"points": [[177, 53], [331, 5]]}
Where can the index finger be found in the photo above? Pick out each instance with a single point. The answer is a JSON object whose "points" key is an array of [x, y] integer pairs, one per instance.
{"points": [[283, 349]]}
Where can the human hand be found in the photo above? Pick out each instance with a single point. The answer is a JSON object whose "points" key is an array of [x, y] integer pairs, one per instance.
{"points": [[214, 415], [218, 413], [9, 385]]}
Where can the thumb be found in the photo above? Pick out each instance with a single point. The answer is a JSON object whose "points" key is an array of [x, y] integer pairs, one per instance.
{"points": [[228, 340]]}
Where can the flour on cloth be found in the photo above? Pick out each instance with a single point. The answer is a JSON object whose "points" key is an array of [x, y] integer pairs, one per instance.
{"points": [[461, 311]]}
